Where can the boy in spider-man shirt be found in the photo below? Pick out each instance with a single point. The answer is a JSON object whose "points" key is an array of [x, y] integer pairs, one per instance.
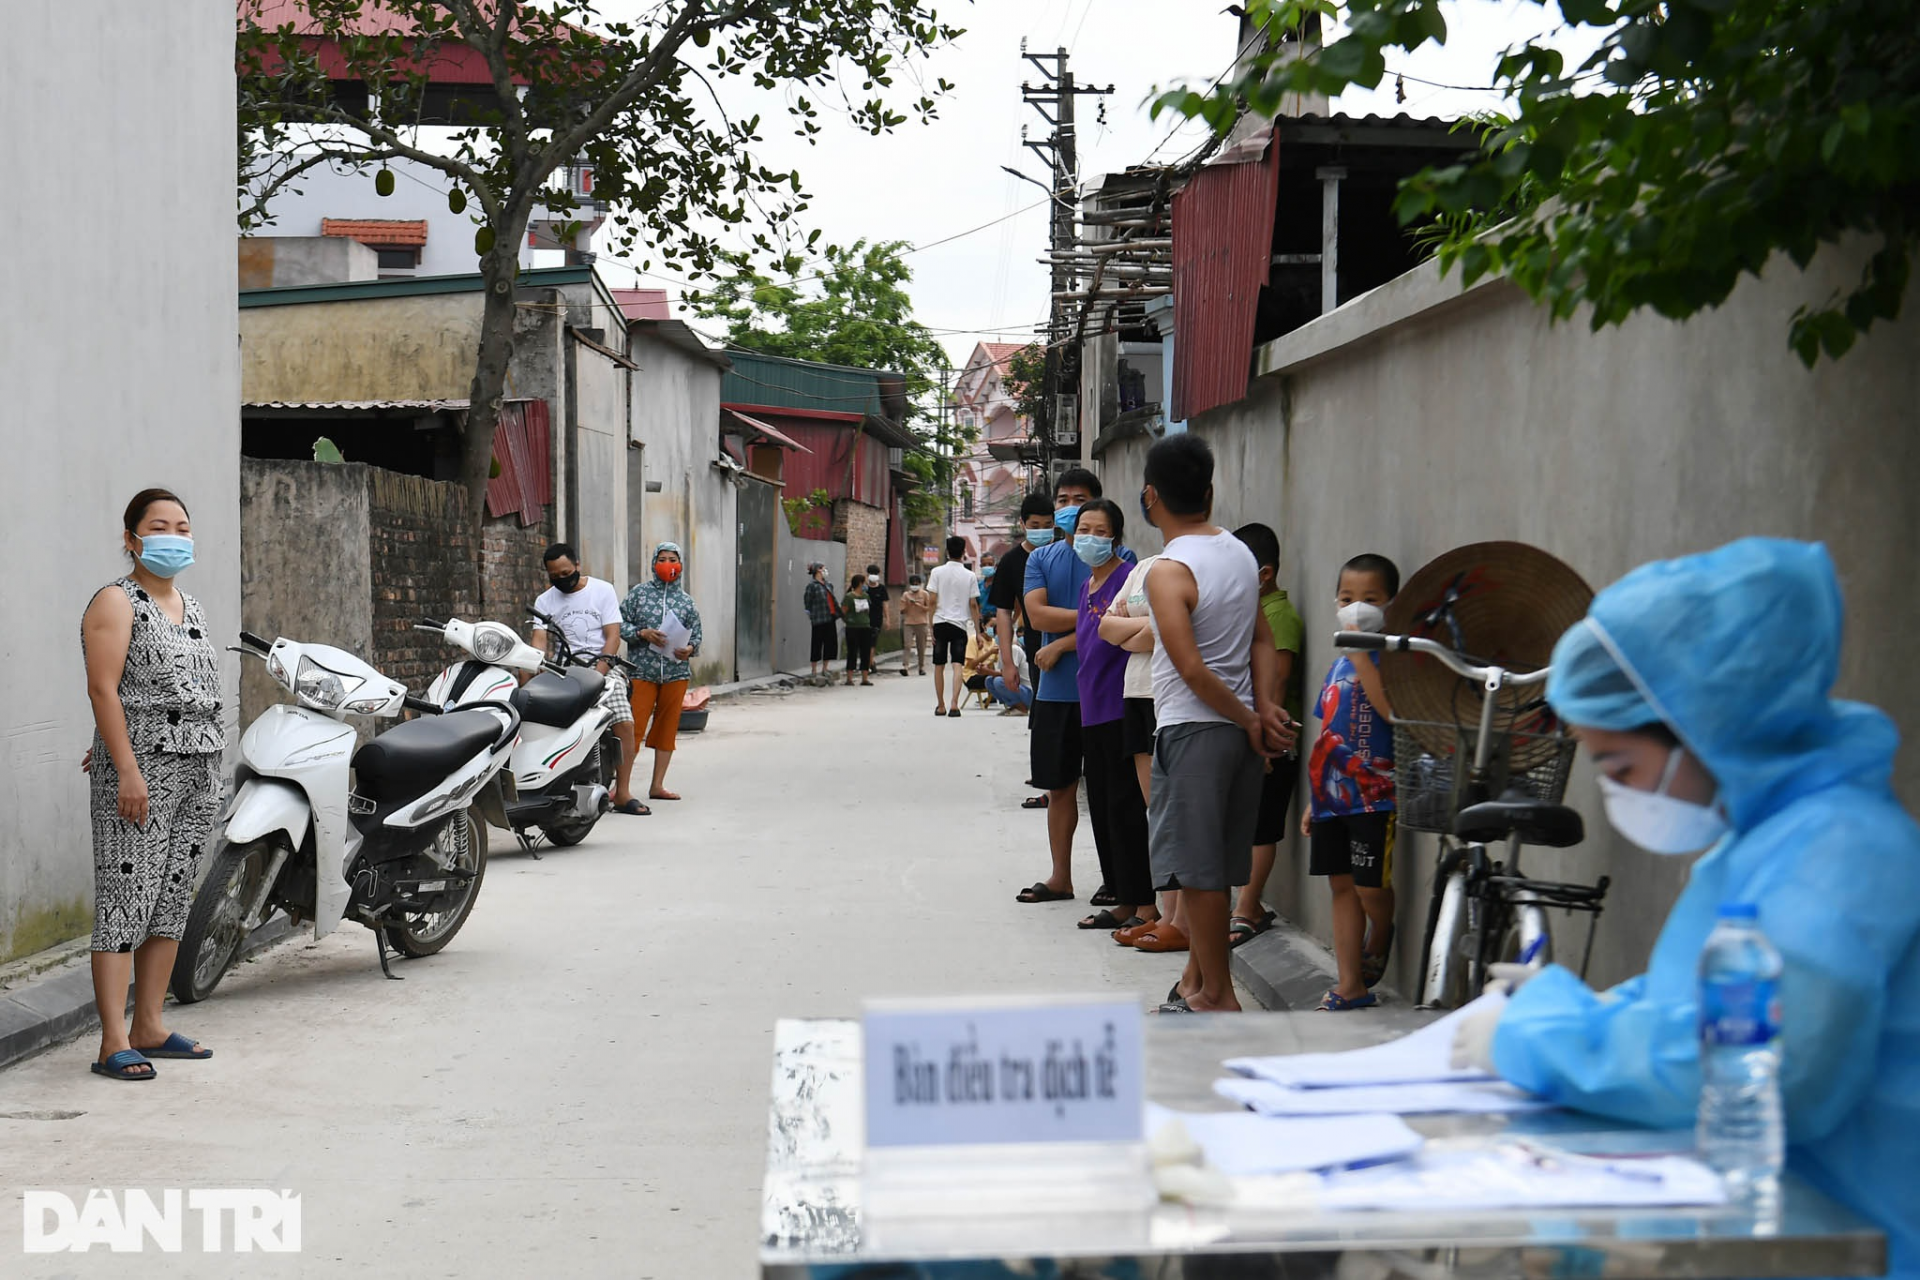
{"points": [[1349, 818]]}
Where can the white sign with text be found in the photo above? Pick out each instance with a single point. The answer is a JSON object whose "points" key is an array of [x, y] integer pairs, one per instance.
{"points": [[971, 1072]]}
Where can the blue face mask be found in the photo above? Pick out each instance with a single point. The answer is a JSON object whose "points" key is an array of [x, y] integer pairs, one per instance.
{"points": [[1040, 537], [987, 572], [1093, 549], [165, 554], [1066, 518]]}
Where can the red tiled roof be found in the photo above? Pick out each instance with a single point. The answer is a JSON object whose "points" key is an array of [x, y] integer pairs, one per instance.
{"points": [[387, 233], [643, 304], [999, 351]]}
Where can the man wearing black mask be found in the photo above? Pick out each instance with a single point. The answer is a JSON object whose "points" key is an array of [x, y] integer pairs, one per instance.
{"points": [[587, 611]]}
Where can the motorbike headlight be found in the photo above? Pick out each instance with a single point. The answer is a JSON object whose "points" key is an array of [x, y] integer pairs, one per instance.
{"points": [[493, 644], [322, 688]]}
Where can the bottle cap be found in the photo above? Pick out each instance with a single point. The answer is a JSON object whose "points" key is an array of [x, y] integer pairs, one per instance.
{"points": [[1739, 911]]}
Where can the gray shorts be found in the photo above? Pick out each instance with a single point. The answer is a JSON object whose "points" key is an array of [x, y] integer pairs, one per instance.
{"points": [[1206, 799]]}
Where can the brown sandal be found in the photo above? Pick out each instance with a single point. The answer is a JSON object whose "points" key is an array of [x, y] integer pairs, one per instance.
{"points": [[1164, 938], [1126, 937]]}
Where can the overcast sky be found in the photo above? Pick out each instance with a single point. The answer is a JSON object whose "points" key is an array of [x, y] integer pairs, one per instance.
{"points": [[923, 184]]}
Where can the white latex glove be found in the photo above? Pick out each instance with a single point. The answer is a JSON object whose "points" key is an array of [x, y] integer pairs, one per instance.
{"points": [[1473, 1041], [1510, 977]]}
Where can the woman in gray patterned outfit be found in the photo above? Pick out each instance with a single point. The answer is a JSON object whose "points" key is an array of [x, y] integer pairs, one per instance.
{"points": [[153, 676]]}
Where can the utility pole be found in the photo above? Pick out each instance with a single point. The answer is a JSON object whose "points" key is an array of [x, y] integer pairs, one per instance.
{"points": [[1054, 99]]}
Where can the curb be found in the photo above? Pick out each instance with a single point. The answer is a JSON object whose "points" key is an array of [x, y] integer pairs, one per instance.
{"points": [[58, 1005], [1288, 970]]}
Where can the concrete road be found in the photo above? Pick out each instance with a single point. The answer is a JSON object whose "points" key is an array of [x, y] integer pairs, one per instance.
{"points": [[577, 1086]]}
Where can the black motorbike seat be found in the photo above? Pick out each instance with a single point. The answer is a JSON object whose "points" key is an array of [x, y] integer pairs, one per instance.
{"points": [[413, 758], [1536, 822], [557, 701]]}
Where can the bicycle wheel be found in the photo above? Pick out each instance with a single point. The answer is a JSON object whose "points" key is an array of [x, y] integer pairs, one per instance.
{"points": [[1451, 946]]}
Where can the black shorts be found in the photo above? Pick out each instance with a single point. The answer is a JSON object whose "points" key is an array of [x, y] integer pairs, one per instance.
{"points": [[826, 642], [1276, 799], [1053, 744], [1136, 726], [949, 643], [1359, 845]]}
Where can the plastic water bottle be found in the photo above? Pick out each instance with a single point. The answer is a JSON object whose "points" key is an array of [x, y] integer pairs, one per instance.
{"points": [[1742, 1130]]}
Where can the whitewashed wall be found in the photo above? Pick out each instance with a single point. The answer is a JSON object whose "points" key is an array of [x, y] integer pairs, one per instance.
{"points": [[121, 359]]}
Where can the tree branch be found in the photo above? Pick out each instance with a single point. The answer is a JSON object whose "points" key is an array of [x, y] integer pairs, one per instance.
{"points": [[645, 76], [398, 149], [490, 43], [277, 182]]}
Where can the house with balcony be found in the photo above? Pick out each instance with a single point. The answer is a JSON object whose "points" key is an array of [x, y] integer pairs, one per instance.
{"points": [[1001, 463]]}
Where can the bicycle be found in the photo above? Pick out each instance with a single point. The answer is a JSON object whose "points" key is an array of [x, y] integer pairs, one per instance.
{"points": [[1485, 911]]}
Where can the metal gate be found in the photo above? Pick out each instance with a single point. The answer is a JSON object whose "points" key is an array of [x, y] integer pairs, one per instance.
{"points": [[759, 505]]}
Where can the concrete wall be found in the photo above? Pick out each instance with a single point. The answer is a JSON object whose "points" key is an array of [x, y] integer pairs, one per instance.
{"points": [[410, 348], [792, 628], [1415, 419], [304, 569], [676, 418], [598, 478], [280, 262], [118, 377]]}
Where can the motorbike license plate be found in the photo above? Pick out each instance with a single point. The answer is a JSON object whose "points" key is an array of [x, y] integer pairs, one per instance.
{"points": [[431, 886]]}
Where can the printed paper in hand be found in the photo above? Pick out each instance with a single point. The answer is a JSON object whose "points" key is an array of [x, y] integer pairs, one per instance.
{"points": [[677, 634]]}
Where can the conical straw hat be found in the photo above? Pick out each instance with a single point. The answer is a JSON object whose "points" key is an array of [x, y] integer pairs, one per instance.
{"points": [[1511, 603]]}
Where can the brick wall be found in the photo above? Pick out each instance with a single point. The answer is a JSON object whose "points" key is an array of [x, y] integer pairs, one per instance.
{"points": [[511, 574], [420, 546], [864, 530]]}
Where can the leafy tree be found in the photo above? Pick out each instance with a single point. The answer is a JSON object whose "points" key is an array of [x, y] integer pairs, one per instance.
{"points": [[1025, 381], [1700, 139], [634, 99], [853, 311]]}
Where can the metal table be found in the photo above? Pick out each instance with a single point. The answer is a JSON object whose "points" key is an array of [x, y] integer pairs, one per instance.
{"points": [[812, 1225]]}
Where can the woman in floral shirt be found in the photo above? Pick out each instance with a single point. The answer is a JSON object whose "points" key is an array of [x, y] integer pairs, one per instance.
{"points": [[661, 685]]}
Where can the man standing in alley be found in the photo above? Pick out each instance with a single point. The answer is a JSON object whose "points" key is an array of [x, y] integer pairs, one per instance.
{"points": [[587, 611], [877, 597], [1052, 580], [956, 606]]}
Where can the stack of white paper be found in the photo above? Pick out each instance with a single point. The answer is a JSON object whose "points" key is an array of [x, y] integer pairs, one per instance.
{"points": [[1494, 1097], [1242, 1145], [1421, 1057], [1512, 1177], [1413, 1075]]}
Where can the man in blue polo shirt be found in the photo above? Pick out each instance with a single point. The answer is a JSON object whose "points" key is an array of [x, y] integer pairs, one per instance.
{"points": [[1054, 576]]}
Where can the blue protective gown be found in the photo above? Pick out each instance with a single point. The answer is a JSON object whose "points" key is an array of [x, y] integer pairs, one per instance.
{"points": [[1735, 651]]}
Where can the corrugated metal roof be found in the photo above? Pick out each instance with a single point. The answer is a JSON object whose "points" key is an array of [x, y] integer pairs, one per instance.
{"points": [[358, 406], [643, 304], [412, 286], [386, 232], [772, 433], [1222, 252]]}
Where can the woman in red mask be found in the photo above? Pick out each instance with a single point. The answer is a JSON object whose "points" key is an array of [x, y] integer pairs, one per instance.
{"points": [[661, 626]]}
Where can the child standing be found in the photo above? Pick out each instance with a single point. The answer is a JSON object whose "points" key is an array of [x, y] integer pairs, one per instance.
{"points": [[1349, 819], [1215, 717], [858, 611], [1250, 915]]}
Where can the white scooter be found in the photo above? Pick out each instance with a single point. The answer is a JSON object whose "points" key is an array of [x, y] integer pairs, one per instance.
{"points": [[565, 762], [383, 834]]}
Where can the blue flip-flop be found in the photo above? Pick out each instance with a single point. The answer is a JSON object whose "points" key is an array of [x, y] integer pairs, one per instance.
{"points": [[1334, 1002], [121, 1066], [177, 1046]]}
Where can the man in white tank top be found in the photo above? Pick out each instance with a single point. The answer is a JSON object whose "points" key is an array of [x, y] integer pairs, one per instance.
{"points": [[1213, 665]]}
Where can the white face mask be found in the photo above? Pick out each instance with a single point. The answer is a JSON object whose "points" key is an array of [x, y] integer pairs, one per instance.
{"points": [[1658, 822], [1361, 616]]}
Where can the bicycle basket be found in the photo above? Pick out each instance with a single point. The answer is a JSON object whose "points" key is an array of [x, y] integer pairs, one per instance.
{"points": [[1430, 786]]}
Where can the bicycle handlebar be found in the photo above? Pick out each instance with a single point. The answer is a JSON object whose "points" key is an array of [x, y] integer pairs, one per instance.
{"points": [[1433, 648]]}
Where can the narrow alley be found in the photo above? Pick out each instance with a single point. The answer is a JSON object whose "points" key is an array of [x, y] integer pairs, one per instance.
{"points": [[582, 1075]]}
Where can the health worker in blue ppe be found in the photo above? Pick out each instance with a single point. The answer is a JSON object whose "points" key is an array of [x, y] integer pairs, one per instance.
{"points": [[1700, 688]]}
